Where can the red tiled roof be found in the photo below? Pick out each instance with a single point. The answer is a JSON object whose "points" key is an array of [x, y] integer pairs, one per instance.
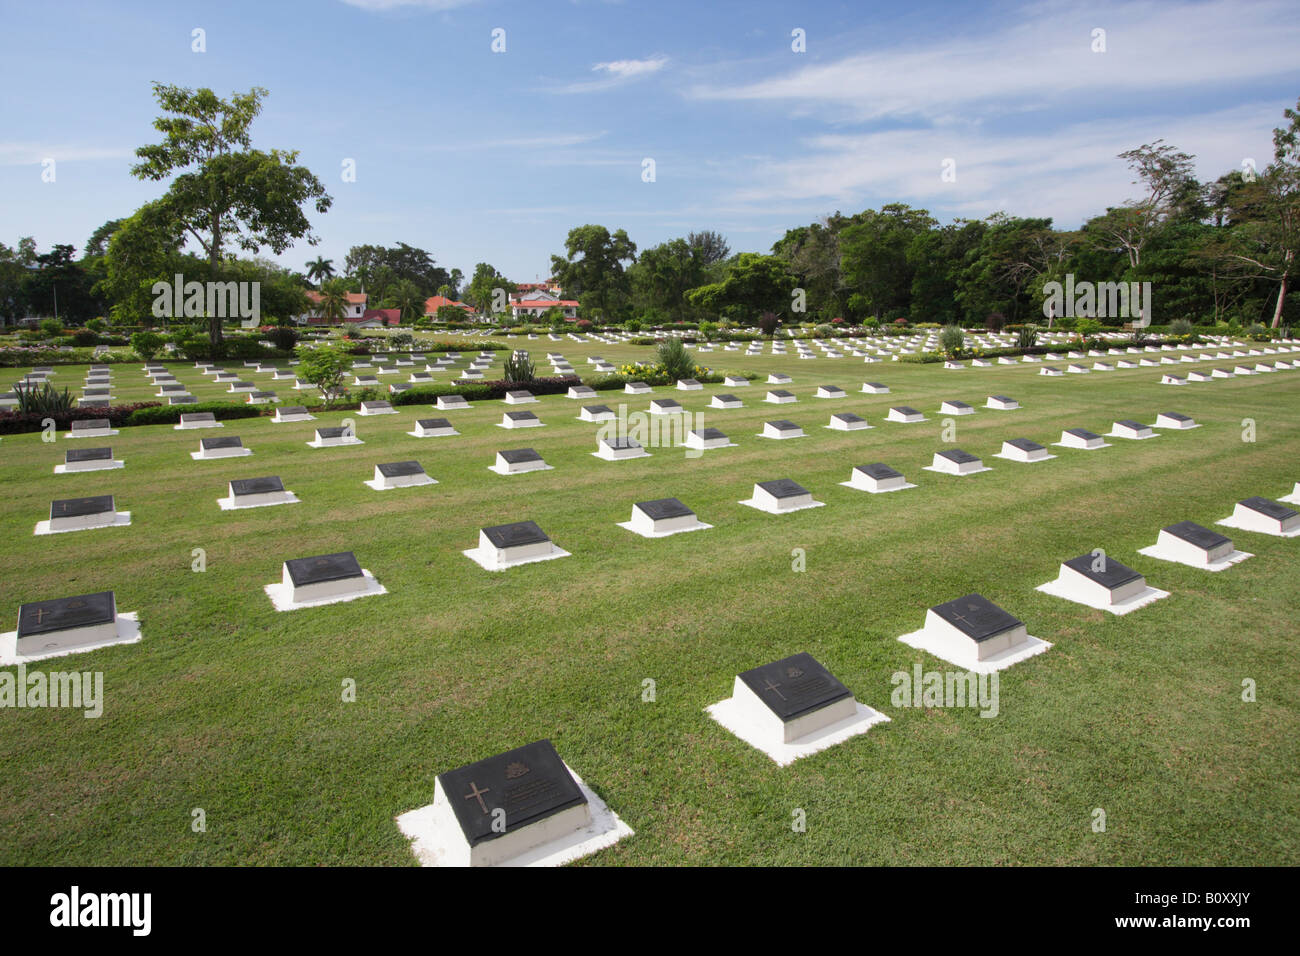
{"points": [[386, 316], [354, 298], [547, 303], [435, 302]]}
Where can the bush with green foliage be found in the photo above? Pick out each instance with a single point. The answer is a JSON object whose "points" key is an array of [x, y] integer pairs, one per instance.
{"points": [[1180, 327], [952, 338], [519, 368], [1027, 337], [325, 367], [401, 340], [768, 323], [147, 344], [283, 338], [675, 359], [50, 328], [43, 399]]}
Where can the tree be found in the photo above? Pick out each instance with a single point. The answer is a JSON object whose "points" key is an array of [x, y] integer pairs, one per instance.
{"points": [[380, 268], [144, 249], [663, 275], [1264, 245], [754, 283], [406, 297], [146, 344], [874, 254], [711, 246], [1167, 177], [592, 269], [325, 367], [333, 303], [482, 289], [320, 269], [226, 190]]}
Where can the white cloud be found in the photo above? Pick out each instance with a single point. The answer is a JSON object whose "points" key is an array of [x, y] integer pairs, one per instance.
{"points": [[616, 73], [1045, 56], [31, 154]]}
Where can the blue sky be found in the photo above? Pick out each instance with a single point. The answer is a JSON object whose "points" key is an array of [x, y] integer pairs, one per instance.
{"points": [[482, 156]]}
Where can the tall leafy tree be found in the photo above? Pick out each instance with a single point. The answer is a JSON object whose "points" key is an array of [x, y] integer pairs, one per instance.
{"points": [[663, 274], [224, 191], [754, 284], [592, 269], [320, 269], [482, 287], [874, 255]]}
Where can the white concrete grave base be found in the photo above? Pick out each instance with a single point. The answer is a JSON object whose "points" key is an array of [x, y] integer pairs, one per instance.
{"points": [[1245, 520], [605, 453], [949, 645], [268, 500], [1070, 589], [91, 433], [282, 597], [765, 504], [1294, 497], [216, 453], [80, 466], [487, 559], [182, 428], [959, 474], [334, 442], [405, 481], [127, 632], [741, 721], [643, 526], [109, 519], [1187, 555], [875, 490], [437, 839]]}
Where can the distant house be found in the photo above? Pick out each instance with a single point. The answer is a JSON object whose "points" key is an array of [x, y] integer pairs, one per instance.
{"points": [[534, 302], [355, 313], [436, 302]]}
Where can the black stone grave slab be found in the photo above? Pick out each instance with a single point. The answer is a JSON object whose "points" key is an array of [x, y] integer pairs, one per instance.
{"points": [[521, 416], [1114, 575], [906, 410], [663, 508], [198, 417], [293, 410], [261, 394], [515, 535], [165, 389], [183, 400], [516, 456], [80, 507], [529, 783], [332, 432], [1003, 398], [325, 567], [848, 418], [90, 424], [398, 469], [1129, 423], [376, 406], [1196, 534], [877, 385], [1082, 433], [880, 471], [977, 617], [1268, 507], [88, 454], [780, 393], [619, 443], [957, 404], [1024, 444], [785, 425], [709, 434], [225, 441], [520, 394], [62, 614], [958, 456], [783, 488], [255, 486], [432, 423], [794, 686], [1176, 417]]}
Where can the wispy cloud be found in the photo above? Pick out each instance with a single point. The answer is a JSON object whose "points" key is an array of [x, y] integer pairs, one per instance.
{"points": [[30, 154], [1043, 58], [539, 141], [616, 73]]}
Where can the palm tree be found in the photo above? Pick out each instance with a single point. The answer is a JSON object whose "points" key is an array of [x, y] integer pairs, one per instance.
{"points": [[406, 295], [320, 269], [333, 300]]}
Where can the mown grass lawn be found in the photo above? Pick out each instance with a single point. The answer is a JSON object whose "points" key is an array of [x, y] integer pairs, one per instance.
{"points": [[231, 707]]}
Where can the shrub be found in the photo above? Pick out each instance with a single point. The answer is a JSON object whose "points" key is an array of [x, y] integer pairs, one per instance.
{"points": [[96, 325], [677, 362], [44, 400], [995, 322], [768, 322], [1027, 337], [50, 328], [483, 391], [171, 414], [146, 344], [85, 338], [952, 338], [401, 340], [324, 367], [519, 369], [1180, 327], [283, 337], [632, 325], [1087, 327]]}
